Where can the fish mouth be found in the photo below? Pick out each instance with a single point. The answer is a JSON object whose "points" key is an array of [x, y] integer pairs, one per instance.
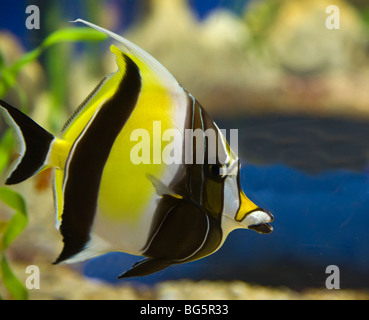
{"points": [[258, 220], [264, 228]]}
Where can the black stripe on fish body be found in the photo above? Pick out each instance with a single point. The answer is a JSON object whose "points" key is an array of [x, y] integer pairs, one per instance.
{"points": [[239, 188], [194, 181], [185, 231], [195, 178], [182, 229], [87, 163], [207, 190], [213, 185]]}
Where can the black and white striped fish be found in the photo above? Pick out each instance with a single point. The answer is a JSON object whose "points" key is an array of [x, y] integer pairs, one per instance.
{"points": [[169, 211]]}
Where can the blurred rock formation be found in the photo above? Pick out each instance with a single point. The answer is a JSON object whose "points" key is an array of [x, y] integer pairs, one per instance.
{"points": [[279, 58]]}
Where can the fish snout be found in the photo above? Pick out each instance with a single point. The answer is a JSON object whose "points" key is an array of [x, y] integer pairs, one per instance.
{"points": [[259, 220]]}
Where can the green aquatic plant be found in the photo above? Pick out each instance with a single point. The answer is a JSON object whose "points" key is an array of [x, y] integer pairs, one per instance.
{"points": [[259, 17], [9, 74], [10, 230]]}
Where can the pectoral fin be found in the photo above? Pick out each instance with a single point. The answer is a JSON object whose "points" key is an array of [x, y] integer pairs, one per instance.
{"points": [[145, 267], [161, 188]]}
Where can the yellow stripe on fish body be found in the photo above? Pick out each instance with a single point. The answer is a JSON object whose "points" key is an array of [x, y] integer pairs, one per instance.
{"points": [[118, 198]]}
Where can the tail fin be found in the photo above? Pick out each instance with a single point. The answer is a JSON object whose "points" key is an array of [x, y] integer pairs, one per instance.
{"points": [[34, 140]]}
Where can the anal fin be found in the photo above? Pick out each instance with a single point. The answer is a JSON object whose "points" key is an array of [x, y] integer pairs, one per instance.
{"points": [[145, 267]]}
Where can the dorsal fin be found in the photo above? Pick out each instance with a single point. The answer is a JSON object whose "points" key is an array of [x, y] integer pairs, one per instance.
{"points": [[144, 57], [82, 105]]}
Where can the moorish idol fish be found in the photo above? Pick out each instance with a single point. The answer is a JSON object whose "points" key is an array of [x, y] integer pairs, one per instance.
{"points": [[169, 213]]}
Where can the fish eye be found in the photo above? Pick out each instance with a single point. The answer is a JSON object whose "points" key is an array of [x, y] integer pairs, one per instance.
{"points": [[217, 171]]}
